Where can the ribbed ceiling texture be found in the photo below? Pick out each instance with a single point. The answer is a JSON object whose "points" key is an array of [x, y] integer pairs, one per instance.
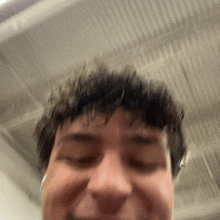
{"points": [[176, 41]]}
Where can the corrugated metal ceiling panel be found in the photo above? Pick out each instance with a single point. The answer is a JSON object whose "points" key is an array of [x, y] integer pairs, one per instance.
{"points": [[175, 41]]}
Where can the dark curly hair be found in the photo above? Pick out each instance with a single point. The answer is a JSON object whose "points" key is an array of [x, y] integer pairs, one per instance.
{"points": [[102, 91]]}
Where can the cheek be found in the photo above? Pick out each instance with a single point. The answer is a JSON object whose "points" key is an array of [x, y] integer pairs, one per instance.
{"points": [[156, 192], [61, 189]]}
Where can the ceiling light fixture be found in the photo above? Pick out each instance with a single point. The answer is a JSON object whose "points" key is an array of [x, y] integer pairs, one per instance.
{"points": [[2, 1]]}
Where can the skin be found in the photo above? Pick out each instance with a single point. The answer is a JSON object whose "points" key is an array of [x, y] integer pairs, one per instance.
{"points": [[108, 171]]}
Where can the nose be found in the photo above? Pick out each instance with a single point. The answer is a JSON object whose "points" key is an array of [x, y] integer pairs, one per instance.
{"points": [[109, 185]]}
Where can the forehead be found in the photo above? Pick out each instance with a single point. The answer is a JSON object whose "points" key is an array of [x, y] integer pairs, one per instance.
{"points": [[120, 123]]}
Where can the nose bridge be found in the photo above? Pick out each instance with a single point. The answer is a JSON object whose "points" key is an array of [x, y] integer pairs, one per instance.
{"points": [[112, 162], [110, 172], [109, 183]]}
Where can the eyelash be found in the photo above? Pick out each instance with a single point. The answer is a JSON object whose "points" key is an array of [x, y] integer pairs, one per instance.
{"points": [[82, 162], [86, 162], [145, 167]]}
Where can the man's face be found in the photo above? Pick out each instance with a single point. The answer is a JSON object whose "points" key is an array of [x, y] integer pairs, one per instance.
{"points": [[112, 171]]}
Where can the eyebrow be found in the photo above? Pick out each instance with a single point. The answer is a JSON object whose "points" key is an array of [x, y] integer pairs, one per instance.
{"points": [[81, 137], [139, 139], [78, 137]]}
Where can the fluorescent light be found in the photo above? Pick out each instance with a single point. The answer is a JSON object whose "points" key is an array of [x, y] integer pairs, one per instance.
{"points": [[2, 1]]}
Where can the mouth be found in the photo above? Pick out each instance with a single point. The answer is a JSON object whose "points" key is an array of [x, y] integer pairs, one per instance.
{"points": [[96, 218], [99, 218], [71, 216]]}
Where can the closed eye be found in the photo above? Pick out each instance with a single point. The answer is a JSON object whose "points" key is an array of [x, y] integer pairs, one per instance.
{"points": [[82, 162], [141, 166]]}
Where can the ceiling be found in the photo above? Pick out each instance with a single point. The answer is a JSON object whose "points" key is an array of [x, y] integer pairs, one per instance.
{"points": [[176, 41]]}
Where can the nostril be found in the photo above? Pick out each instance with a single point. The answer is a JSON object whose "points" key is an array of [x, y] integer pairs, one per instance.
{"points": [[110, 198], [115, 188], [110, 208], [69, 216]]}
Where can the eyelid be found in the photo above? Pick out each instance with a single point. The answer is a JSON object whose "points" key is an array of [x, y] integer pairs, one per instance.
{"points": [[145, 140], [142, 166], [76, 161]]}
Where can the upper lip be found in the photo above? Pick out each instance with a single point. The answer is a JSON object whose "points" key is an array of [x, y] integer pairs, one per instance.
{"points": [[100, 218]]}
